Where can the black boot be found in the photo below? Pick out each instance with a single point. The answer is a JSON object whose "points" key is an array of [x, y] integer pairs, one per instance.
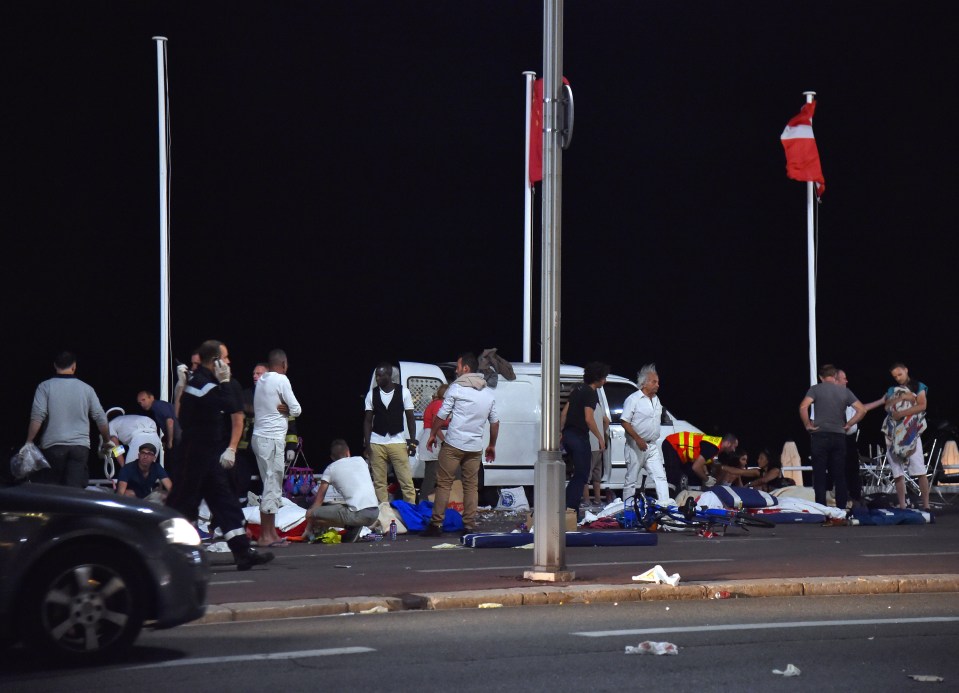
{"points": [[245, 556]]}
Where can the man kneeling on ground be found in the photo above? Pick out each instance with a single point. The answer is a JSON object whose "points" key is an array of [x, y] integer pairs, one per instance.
{"points": [[351, 477]]}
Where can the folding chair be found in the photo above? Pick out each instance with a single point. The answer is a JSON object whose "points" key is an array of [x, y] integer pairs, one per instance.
{"points": [[942, 464]]}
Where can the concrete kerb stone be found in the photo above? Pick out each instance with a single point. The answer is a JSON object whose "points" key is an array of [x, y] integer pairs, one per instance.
{"points": [[540, 595]]}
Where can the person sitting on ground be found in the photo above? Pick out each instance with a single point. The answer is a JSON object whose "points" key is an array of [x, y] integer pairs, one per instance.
{"points": [[770, 473], [732, 469], [351, 477], [139, 480]]}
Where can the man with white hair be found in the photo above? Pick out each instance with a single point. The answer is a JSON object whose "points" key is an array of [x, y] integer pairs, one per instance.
{"points": [[642, 414]]}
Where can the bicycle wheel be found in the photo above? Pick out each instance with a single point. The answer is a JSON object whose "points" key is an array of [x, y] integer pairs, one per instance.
{"points": [[744, 519]]}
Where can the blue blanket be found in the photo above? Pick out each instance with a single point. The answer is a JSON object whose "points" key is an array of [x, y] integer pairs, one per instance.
{"points": [[743, 497], [890, 516], [417, 517]]}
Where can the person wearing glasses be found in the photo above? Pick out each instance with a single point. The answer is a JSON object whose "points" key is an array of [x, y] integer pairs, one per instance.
{"points": [[141, 479]]}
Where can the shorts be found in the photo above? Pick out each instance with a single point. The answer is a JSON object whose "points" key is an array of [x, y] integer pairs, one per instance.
{"points": [[270, 460], [596, 466], [914, 465]]}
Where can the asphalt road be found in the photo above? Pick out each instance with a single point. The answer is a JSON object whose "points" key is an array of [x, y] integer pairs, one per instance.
{"points": [[411, 565], [871, 643]]}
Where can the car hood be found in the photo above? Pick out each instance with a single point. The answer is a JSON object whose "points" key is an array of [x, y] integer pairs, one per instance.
{"points": [[46, 498]]}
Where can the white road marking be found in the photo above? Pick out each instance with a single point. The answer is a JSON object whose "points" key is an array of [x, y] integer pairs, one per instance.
{"points": [[927, 553], [766, 626], [255, 657], [575, 565], [229, 582]]}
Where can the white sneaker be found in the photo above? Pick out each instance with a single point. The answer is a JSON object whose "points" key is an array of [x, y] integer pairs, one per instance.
{"points": [[710, 482]]}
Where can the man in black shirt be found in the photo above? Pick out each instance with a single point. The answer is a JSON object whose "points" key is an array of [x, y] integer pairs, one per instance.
{"points": [[211, 416], [577, 423]]}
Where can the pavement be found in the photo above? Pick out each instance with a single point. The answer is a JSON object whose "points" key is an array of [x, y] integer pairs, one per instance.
{"points": [[413, 573]]}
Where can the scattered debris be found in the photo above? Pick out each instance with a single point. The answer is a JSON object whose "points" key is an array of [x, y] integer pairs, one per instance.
{"points": [[524, 546], [721, 594], [791, 670], [218, 547], [446, 546], [657, 575], [490, 605], [378, 609], [342, 566], [654, 648], [926, 678]]}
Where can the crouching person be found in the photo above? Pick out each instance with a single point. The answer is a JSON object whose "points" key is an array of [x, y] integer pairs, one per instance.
{"points": [[146, 479], [351, 477]]}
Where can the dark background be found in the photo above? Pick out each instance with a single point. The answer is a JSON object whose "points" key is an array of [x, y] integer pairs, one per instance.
{"points": [[347, 186]]}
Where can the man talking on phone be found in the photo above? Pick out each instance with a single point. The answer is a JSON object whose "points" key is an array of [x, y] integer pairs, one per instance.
{"points": [[211, 416]]}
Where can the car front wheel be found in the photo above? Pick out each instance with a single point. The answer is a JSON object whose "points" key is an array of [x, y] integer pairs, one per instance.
{"points": [[85, 603]]}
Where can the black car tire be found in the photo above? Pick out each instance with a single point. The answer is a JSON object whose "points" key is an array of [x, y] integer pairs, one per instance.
{"points": [[85, 603]]}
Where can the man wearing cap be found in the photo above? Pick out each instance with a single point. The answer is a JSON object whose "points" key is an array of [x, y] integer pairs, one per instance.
{"points": [[140, 479]]}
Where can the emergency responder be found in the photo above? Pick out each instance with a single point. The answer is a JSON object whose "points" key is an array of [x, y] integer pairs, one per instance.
{"points": [[687, 454]]}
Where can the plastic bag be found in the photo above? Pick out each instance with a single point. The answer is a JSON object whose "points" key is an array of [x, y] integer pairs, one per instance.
{"points": [[28, 461]]}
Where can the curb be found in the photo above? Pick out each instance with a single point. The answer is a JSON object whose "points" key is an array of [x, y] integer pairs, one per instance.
{"points": [[540, 595]]}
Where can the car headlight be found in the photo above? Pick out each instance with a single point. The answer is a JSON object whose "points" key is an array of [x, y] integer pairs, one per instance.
{"points": [[179, 531]]}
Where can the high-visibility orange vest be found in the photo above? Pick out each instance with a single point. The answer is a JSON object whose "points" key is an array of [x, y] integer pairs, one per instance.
{"points": [[687, 444]]}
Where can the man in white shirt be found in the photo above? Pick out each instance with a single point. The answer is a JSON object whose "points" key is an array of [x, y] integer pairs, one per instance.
{"points": [[273, 403], [383, 440], [351, 477], [642, 414], [466, 409], [132, 431]]}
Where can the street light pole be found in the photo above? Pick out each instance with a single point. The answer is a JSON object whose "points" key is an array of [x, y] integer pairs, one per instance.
{"points": [[549, 523]]}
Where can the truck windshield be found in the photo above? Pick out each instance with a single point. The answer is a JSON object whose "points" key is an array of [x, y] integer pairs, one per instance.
{"points": [[616, 394]]}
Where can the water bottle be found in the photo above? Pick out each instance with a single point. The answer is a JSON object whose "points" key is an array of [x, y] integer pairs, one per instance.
{"points": [[392, 530]]}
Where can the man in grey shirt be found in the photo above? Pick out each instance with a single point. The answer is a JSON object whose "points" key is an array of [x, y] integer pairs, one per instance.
{"points": [[827, 432], [66, 404]]}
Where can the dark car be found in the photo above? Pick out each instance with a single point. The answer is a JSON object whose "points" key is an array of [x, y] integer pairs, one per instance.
{"points": [[81, 572]]}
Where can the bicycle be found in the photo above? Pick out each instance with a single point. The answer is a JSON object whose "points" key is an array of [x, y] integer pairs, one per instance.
{"points": [[652, 516]]}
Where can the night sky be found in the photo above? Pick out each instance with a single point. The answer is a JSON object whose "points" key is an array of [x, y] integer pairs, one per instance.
{"points": [[346, 185]]}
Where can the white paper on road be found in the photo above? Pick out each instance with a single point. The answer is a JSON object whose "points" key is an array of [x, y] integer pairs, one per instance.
{"points": [[653, 648], [790, 670], [657, 575], [288, 517]]}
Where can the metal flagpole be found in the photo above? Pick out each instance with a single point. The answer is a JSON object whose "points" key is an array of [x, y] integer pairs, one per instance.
{"points": [[164, 133], [527, 230], [549, 544], [811, 261]]}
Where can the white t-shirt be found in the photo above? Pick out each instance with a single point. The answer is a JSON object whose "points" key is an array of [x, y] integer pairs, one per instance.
{"points": [[351, 477], [644, 415], [271, 389], [468, 411], [386, 398]]}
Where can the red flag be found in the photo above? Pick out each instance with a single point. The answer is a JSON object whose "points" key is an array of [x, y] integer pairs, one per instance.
{"points": [[802, 156], [536, 132]]}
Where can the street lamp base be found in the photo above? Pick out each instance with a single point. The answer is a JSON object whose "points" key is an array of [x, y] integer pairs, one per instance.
{"points": [[550, 575]]}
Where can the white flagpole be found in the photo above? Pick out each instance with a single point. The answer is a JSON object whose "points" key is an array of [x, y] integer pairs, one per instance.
{"points": [[164, 131], [527, 230], [811, 261]]}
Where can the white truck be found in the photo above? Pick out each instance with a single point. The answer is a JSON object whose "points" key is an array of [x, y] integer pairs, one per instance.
{"points": [[519, 403]]}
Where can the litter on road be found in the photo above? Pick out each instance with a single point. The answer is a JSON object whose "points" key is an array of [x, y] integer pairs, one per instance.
{"points": [[791, 670], [658, 576], [653, 648]]}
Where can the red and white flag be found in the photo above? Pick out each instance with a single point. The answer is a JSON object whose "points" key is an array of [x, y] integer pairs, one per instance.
{"points": [[802, 155]]}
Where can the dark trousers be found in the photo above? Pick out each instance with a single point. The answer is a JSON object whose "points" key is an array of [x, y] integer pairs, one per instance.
{"points": [[577, 444], [200, 476], [68, 466], [829, 453], [853, 480]]}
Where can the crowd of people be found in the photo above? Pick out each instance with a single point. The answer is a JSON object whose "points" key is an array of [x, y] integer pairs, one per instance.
{"points": [[182, 453]]}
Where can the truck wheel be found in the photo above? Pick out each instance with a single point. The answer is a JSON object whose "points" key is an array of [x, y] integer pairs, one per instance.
{"points": [[84, 603]]}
